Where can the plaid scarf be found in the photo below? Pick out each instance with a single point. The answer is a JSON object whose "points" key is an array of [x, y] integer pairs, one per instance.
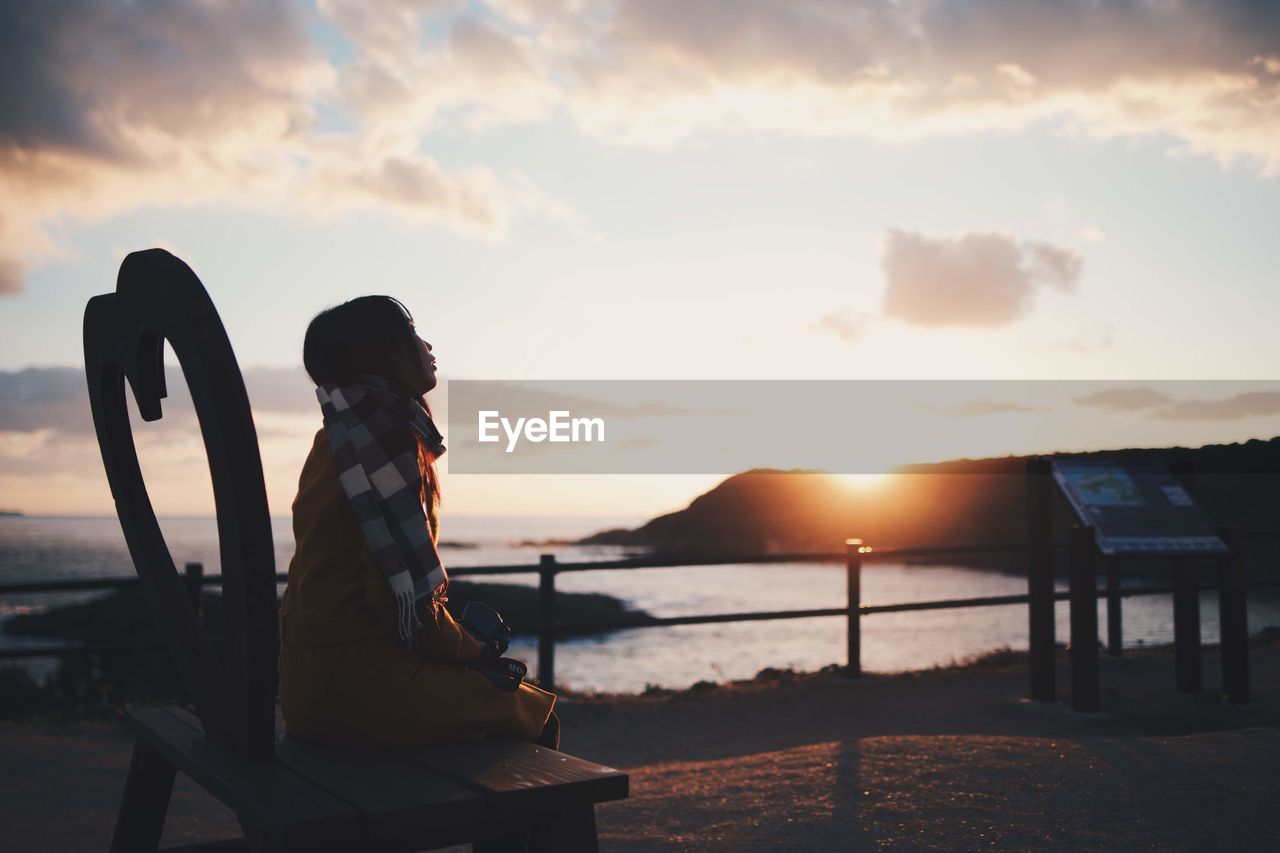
{"points": [[374, 435]]}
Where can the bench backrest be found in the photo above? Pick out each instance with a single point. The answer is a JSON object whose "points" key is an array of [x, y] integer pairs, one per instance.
{"points": [[158, 298]]}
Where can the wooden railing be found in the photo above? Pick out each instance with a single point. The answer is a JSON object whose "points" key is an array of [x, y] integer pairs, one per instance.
{"points": [[548, 628]]}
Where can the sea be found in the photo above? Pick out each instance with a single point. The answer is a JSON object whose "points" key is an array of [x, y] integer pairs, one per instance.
{"points": [[631, 661]]}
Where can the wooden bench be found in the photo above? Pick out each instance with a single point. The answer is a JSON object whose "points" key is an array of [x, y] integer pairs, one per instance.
{"points": [[287, 794]]}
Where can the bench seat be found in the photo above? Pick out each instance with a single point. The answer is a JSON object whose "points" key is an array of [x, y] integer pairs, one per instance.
{"points": [[317, 797]]}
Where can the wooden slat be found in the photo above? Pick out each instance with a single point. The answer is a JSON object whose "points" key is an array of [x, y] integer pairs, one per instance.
{"points": [[291, 811], [399, 799], [522, 778], [230, 845]]}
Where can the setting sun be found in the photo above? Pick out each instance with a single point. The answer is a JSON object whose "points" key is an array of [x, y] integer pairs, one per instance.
{"points": [[863, 482]]}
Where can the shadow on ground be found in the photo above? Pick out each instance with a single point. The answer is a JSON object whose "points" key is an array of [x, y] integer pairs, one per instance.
{"points": [[943, 760]]}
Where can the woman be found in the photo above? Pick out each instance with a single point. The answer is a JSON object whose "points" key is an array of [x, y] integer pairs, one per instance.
{"points": [[369, 656]]}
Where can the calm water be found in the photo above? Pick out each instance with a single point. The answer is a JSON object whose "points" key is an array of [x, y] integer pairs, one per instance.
{"points": [[628, 661]]}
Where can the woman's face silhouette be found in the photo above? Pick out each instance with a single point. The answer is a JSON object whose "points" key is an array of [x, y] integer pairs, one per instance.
{"points": [[428, 363]]}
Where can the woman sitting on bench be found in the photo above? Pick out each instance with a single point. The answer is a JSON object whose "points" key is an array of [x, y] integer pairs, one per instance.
{"points": [[369, 656]]}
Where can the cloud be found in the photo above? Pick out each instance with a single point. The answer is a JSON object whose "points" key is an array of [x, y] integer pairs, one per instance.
{"points": [[11, 272], [1200, 73], [478, 76], [420, 184], [44, 398], [106, 106], [388, 28], [1250, 404], [985, 280], [1124, 399], [50, 460], [55, 399], [845, 324], [979, 408], [1056, 267], [99, 78], [1157, 405], [469, 396]]}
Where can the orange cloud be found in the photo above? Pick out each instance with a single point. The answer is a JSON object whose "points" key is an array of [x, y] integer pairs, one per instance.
{"points": [[105, 106], [657, 71], [108, 106], [986, 279], [1201, 73]]}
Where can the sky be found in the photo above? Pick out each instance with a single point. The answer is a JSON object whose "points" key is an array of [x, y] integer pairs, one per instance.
{"points": [[638, 189]]}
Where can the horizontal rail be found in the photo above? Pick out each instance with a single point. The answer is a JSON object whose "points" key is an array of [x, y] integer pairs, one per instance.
{"points": [[866, 610], [561, 630], [647, 562], [88, 584]]}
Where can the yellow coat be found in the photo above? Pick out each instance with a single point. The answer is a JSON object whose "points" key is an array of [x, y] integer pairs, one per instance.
{"points": [[344, 677]]}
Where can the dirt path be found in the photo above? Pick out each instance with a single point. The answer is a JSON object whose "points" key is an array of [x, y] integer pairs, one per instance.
{"points": [[952, 760]]}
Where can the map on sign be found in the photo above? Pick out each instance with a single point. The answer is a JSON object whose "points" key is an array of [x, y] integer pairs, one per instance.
{"points": [[1105, 487], [1136, 508]]}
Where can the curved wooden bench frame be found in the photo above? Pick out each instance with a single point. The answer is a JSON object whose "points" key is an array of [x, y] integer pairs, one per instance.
{"points": [[158, 298]]}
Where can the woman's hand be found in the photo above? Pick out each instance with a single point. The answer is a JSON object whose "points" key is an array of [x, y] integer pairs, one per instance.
{"points": [[446, 640]]}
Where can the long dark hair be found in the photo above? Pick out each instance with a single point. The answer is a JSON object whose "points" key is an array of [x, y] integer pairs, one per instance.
{"points": [[372, 334]]}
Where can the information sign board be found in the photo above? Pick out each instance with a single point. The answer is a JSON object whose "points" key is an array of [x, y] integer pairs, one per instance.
{"points": [[1136, 508]]}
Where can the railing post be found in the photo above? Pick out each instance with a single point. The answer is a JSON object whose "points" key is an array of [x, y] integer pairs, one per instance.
{"points": [[1186, 625], [194, 579], [1084, 619], [546, 630], [1040, 616], [1233, 619], [853, 578]]}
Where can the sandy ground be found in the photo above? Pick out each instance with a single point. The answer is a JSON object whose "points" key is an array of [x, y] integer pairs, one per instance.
{"points": [[938, 760]]}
